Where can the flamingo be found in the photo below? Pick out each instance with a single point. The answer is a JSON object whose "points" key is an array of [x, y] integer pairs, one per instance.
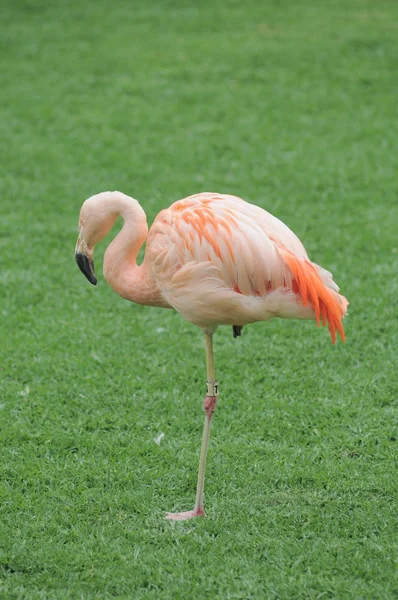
{"points": [[215, 259]]}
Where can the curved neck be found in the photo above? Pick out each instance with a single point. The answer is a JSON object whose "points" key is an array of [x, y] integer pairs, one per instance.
{"points": [[121, 271]]}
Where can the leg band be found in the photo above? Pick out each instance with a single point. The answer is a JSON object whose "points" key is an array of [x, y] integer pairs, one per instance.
{"points": [[212, 388]]}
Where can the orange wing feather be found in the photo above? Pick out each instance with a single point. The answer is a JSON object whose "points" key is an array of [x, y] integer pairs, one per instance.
{"points": [[327, 304]]}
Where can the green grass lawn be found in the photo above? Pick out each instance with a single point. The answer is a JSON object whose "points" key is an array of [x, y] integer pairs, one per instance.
{"points": [[292, 106]]}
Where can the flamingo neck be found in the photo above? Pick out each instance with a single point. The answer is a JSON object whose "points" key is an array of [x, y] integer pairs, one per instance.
{"points": [[121, 271]]}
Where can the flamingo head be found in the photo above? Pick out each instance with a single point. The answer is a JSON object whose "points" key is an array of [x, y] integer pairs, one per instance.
{"points": [[96, 219]]}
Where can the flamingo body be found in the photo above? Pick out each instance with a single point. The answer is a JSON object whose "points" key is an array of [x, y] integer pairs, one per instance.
{"points": [[219, 260]]}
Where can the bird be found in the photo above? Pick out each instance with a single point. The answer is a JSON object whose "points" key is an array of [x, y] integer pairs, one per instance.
{"points": [[215, 259]]}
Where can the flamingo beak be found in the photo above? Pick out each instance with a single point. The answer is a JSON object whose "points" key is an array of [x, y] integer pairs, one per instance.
{"points": [[84, 259]]}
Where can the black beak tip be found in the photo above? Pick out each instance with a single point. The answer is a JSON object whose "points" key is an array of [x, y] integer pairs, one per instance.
{"points": [[86, 265]]}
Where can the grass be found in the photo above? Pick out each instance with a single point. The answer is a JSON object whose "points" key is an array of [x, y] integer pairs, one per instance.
{"points": [[292, 106]]}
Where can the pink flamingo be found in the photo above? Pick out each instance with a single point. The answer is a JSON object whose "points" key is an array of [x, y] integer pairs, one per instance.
{"points": [[215, 259]]}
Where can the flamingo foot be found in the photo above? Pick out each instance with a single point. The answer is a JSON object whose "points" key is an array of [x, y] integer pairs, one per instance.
{"points": [[183, 516]]}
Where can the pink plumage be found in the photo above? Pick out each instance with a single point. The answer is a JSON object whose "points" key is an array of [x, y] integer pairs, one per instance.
{"points": [[219, 260]]}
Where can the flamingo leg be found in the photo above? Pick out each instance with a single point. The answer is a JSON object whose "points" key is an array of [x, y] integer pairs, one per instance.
{"points": [[209, 406]]}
